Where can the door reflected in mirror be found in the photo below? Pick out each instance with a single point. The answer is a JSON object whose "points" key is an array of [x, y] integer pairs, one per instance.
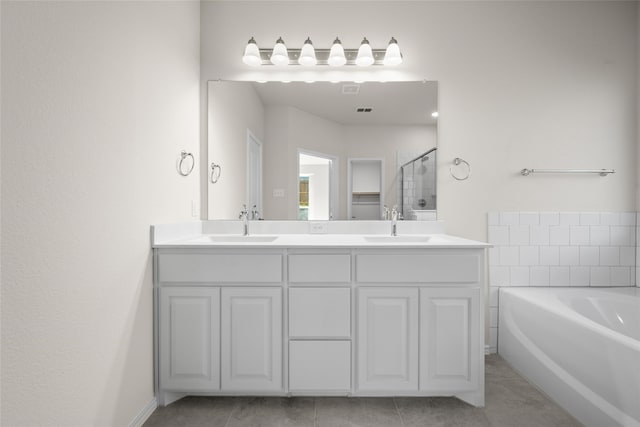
{"points": [[317, 151]]}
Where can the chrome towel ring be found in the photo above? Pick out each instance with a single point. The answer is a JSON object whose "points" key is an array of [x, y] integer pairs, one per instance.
{"points": [[461, 176], [216, 171], [181, 169]]}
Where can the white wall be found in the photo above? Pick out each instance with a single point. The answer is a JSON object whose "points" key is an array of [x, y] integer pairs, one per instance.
{"points": [[1, 316], [276, 163], [638, 152], [521, 84], [98, 100], [232, 109]]}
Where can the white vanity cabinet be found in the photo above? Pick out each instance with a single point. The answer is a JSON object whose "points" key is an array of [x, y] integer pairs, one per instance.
{"points": [[356, 321], [218, 322], [420, 323], [189, 338], [387, 339], [251, 324], [449, 339]]}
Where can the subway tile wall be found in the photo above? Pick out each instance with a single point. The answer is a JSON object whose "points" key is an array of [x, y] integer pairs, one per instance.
{"points": [[559, 249]]}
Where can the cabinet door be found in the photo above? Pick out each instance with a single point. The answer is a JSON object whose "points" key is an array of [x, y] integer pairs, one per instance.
{"points": [[387, 339], [251, 339], [449, 339], [189, 335]]}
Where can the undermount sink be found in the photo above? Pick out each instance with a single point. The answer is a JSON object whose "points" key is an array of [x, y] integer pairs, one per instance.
{"points": [[236, 238], [397, 239]]}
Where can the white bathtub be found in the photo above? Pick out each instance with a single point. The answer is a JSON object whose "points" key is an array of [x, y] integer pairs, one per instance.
{"points": [[580, 346]]}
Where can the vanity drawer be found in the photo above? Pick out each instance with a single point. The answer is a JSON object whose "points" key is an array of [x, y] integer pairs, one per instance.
{"points": [[319, 312], [417, 268], [320, 268], [220, 268], [319, 365]]}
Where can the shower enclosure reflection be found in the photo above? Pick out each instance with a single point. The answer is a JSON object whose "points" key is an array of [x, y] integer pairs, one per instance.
{"points": [[418, 186]]}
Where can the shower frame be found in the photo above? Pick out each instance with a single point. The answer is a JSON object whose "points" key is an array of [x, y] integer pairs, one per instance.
{"points": [[421, 156]]}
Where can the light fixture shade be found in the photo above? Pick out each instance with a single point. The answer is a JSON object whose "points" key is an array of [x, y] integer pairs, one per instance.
{"points": [[392, 56], [365, 54], [280, 56], [336, 54], [252, 54], [307, 54]]}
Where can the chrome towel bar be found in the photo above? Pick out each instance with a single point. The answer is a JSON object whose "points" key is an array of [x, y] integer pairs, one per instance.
{"points": [[601, 172]]}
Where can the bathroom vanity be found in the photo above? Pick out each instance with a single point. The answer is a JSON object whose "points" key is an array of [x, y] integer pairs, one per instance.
{"points": [[318, 314]]}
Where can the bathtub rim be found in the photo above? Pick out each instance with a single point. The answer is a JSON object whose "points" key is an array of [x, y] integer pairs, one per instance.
{"points": [[533, 363], [556, 305]]}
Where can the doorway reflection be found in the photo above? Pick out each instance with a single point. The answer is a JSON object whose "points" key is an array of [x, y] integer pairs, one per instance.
{"points": [[314, 187]]}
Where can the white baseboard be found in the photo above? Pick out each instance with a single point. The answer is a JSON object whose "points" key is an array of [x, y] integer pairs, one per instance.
{"points": [[144, 414]]}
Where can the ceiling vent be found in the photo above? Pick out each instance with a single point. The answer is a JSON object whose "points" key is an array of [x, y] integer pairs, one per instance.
{"points": [[350, 89]]}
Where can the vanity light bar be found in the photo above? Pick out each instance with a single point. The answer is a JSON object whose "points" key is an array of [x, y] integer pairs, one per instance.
{"points": [[322, 56], [336, 56]]}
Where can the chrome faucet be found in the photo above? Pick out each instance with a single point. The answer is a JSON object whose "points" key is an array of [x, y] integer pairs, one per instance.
{"points": [[385, 213], [244, 216], [255, 215], [394, 221]]}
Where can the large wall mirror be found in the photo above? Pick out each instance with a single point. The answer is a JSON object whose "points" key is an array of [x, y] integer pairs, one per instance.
{"points": [[320, 151]]}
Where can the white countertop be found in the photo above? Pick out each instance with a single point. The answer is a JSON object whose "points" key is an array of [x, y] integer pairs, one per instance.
{"points": [[321, 241], [297, 234]]}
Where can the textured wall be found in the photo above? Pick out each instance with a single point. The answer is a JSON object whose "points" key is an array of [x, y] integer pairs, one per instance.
{"points": [[521, 84], [98, 99]]}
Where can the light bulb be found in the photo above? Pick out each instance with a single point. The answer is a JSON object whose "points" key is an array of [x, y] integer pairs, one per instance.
{"points": [[252, 54], [336, 54], [392, 56], [307, 54], [280, 56], [365, 54]]}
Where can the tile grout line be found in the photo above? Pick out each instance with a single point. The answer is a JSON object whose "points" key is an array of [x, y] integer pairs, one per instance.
{"points": [[235, 404], [398, 411], [315, 412]]}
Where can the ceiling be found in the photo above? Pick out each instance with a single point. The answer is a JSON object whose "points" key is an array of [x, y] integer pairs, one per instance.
{"points": [[391, 103]]}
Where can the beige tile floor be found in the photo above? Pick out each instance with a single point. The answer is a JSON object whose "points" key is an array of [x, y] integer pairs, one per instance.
{"points": [[510, 402]]}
